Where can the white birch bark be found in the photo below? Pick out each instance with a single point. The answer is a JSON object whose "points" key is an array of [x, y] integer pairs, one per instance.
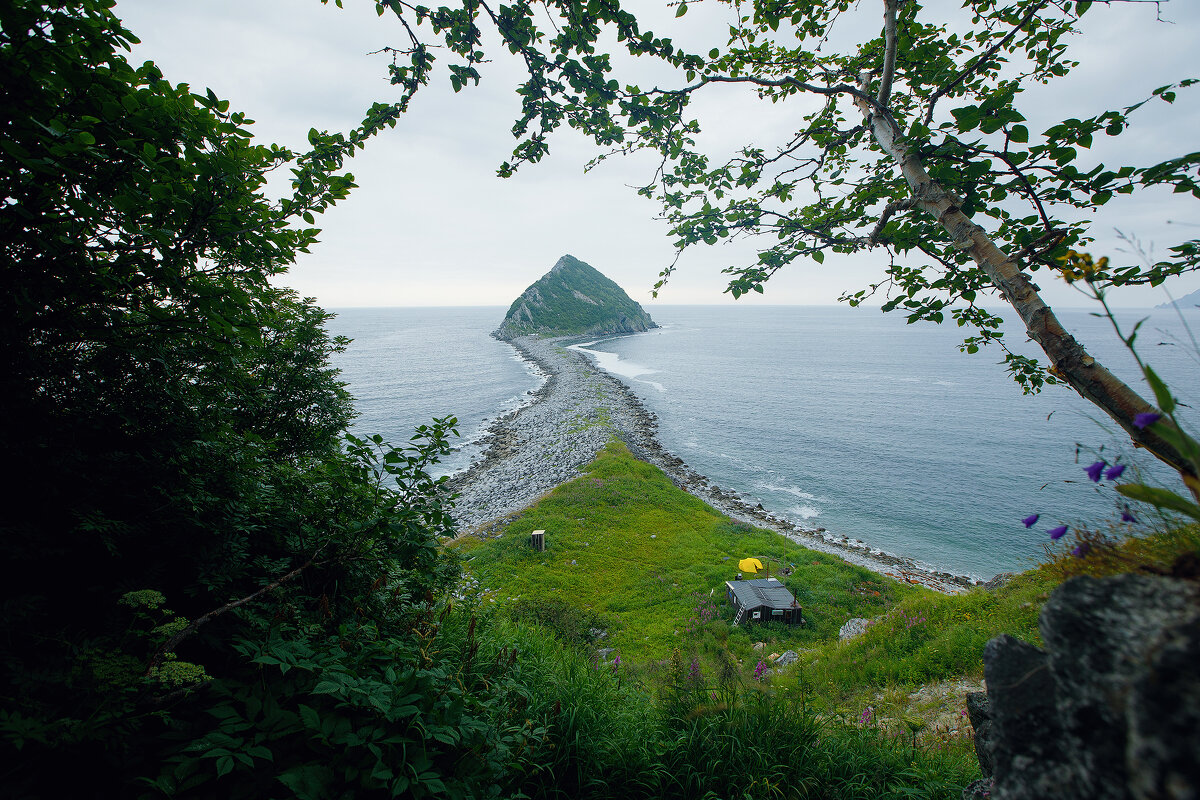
{"points": [[1071, 362]]}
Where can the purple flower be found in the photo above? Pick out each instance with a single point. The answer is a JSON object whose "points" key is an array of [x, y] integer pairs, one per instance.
{"points": [[867, 715], [1093, 472], [1031, 520], [1142, 420], [1126, 516], [1057, 533], [1114, 471], [1081, 550]]}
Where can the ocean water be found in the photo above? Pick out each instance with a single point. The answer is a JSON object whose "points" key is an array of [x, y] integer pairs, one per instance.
{"points": [[406, 366], [842, 418]]}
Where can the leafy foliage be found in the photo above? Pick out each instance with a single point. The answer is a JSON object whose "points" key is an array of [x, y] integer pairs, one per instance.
{"points": [[185, 505]]}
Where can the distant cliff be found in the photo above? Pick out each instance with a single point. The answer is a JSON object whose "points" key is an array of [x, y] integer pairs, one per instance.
{"points": [[574, 298], [1187, 301]]}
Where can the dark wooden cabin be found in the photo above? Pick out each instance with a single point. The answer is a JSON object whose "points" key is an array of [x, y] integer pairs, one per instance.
{"points": [[763, 600]]}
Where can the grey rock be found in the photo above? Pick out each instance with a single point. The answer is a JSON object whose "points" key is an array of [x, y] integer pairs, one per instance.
{"points": [[997, 581], [1025, 742], [786, 658], [978, 790], [1110, 708], [1163, 749], [981, 720], [853, 627], [1098, 634]]}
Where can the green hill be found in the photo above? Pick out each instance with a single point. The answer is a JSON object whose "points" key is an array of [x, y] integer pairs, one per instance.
{"points": [[574, 298], [629, 553]]}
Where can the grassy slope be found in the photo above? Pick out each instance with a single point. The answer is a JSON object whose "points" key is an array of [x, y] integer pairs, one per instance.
{"points": [[626, 543], [601, 557], [911, 668]]}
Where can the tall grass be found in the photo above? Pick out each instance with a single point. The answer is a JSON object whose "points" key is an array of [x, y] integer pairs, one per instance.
{"points": [[682, 715], [607, 738]]}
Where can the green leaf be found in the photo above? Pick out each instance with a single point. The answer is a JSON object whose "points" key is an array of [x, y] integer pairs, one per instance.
{"points": [[327, 687], [1163, 395], [1019, 133], [308, 782], [1159, 498], [679, 12]]}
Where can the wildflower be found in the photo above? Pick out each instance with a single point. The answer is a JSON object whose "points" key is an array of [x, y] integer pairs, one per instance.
{"points": [[1094, 471], [1141, 421], [1031, 520], [1114, 471], [867, 715], [1126, 516], [1081, 550], [760, 670], [1057, 533]]}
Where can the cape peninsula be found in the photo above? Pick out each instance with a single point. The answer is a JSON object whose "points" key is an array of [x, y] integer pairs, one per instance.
{"points": [[573, 299]]}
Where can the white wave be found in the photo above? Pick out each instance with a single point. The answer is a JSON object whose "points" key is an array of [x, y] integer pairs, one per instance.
{"points": [[803, 511], [611, 362], [795, 491], [656, 385], [944, 383]]}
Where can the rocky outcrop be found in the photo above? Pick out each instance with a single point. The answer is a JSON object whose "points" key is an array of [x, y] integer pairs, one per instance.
{"points": [[1110, 708], [573, 298], [855, 626]]}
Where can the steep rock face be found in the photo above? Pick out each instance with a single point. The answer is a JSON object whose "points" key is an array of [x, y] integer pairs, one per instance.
{"points": [[574, 298], [1109, 709]]}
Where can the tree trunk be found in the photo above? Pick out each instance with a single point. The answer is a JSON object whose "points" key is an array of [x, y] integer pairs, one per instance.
{"points": [[1086, 375]]}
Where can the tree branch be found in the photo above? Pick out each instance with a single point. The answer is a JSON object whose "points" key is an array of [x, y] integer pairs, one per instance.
{"points": [[889, 51], [170, 645], [860, 95], [982, 58], [892, 208]]}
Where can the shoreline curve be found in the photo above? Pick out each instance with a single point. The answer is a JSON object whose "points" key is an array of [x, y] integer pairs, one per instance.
{"points": [[568, 420]]}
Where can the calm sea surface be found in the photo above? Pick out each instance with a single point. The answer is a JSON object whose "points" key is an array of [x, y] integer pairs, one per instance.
{"points": [[843, 418]]}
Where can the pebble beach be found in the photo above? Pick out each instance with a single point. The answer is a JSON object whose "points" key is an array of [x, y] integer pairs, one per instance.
{"points": [[570, 418]]}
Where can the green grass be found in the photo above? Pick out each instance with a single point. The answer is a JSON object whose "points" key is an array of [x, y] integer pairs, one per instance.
{"points": [[602, 736], [629, 552], [624, 543]]}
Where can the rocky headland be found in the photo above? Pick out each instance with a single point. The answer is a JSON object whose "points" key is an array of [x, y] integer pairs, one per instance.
{"points": [[570, 418], [574, 298]]}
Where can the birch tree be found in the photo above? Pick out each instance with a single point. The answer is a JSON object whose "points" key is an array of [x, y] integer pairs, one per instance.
{"points": [[917, 150]]}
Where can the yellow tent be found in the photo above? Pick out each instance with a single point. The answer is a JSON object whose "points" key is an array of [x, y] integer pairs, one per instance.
{"points": [[750, 565]]}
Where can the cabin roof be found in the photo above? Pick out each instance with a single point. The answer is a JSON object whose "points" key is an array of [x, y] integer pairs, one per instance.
{"points": [[761, 592]]}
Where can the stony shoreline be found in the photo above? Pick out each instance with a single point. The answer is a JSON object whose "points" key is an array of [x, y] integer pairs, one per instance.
{"points": [[572, 416]]}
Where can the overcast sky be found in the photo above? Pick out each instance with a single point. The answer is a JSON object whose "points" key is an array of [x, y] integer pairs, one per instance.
{"points": [[430, 224]]}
